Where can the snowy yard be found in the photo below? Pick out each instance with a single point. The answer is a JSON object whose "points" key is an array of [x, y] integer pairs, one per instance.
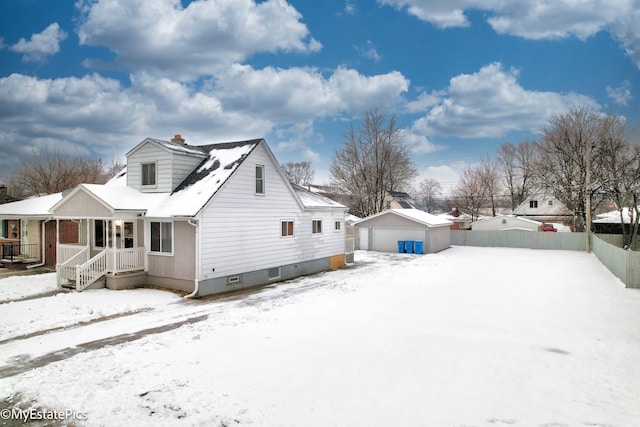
{"points": [[469, 336]]}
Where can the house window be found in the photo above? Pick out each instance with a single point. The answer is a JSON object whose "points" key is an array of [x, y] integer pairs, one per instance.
{"points": [[148, 174], [259, 179], [388, 204], [316, 226], [100, 233], [287, 228], [338, 225], [162, 237], [4, 232], [274, 273], [550, 202], [533, 203]]}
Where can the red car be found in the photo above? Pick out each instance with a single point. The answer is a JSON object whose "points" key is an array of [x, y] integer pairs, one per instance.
{"points": [[547, 227]]}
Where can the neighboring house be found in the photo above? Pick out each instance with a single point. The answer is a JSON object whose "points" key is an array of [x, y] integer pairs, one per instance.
{"points": [[459, 220], [199, 219], [29, 235], [544, 208], [399, 200], [505, 223], [382, 231], [611, 223], [5, 197]]}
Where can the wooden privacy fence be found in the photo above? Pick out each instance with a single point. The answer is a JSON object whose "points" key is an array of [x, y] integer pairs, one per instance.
{"points": [[624, 264]]}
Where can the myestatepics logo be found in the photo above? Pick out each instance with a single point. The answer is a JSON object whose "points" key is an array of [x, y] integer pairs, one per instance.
{"points": [[41, 415]]}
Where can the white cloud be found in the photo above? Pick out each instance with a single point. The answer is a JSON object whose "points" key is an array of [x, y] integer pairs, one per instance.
{"points": [[163, 37], [447, 175], [370, 51], [538, 20], [420, 144], [350, 7], [41, 44], [491, 103], [620, 95], [298, 94]]}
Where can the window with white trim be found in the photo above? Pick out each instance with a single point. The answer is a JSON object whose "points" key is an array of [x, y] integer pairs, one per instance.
{"points": [[259, 179], [337, 226], [316, 226], [533, 204], [148, 171], [161, 237], [286, 228]]}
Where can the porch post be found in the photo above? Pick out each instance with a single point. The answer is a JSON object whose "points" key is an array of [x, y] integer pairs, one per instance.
{"points": [[114, 244], [88, 221]]}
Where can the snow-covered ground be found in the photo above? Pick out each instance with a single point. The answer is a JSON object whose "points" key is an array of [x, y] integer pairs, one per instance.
{"points": [[469, 336]]}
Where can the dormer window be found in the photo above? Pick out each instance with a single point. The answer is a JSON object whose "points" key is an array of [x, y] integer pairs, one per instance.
{"points": [[148, 174]]}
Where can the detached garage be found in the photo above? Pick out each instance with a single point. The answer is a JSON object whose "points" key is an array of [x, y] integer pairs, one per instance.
{"points": [[382, 231]]}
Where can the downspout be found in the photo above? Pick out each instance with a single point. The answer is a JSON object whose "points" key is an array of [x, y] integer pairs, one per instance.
{"points": [[43, 248], [197, 272]]}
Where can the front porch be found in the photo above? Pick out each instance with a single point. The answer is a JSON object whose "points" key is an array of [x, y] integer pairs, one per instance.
{"points": [[107, 249]]}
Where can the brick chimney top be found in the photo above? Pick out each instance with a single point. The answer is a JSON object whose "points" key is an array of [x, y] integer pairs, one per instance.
{"points": [[178, 139]]}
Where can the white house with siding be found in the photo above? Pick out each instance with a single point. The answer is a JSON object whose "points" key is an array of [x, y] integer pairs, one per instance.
{"points": [[199, 219], [506, 223]]}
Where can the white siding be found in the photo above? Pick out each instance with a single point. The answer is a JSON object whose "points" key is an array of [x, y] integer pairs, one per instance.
{"points": [[171, 168], [241, 231]]}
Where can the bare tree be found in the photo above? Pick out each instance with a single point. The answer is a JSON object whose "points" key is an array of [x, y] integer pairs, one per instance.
{"points": [[469, 195], [427, 192], [620, 176], [298, 172], [515, 162], [490, 182], [572, 145], [373, 161], [48, 172]]}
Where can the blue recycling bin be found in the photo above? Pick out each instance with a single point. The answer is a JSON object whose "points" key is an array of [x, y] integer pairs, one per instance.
{"points": [[419, 247], [408, 246], [400, 246]]}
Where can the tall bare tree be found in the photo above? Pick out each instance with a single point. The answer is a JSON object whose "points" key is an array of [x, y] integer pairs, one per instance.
{"points": [[426, 193], [46, 172], [490, 182], [373, 161], [469, 195], [515, 162], [572, 144], [298, 172]]}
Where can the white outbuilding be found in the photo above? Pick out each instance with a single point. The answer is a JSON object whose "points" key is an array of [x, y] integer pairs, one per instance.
{"points": [[383, 231], [505, 223]]}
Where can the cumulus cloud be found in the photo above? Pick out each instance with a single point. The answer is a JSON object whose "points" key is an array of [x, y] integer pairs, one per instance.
{"points": [[369, 51], [163, 37], [41, 44], [491, 103], [242, 103], [538, 20], [620, 95], [290, 95]]}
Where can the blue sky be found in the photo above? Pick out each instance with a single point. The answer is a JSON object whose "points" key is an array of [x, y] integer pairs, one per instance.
{"points": [[95, 77]]}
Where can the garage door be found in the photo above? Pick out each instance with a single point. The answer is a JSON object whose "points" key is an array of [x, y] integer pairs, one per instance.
{"points": [[386, 239]]}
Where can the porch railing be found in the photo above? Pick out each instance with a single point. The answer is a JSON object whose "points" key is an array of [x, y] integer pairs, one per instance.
{"points": [[19, 252], [129, 259], [67, 268], [66, 252], [92, 270]]}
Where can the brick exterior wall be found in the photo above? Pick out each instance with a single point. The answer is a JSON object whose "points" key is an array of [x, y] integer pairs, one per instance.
{"points": [[68, 234]]}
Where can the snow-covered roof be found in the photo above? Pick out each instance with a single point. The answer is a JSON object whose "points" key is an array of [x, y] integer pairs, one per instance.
{"points": [[512, 217], [124, 198], [613, 217], [313, 200], [175, 147], [412, 214], [201, 185], [32, 207]]}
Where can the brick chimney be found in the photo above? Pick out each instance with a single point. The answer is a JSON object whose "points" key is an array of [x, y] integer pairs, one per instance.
{"points": [[178, 139]]}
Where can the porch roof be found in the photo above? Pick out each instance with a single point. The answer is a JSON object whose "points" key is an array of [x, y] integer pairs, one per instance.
{"points": [[34, 207]]}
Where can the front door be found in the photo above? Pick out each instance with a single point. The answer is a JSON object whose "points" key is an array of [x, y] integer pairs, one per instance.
{"points": [[125, 234]]}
